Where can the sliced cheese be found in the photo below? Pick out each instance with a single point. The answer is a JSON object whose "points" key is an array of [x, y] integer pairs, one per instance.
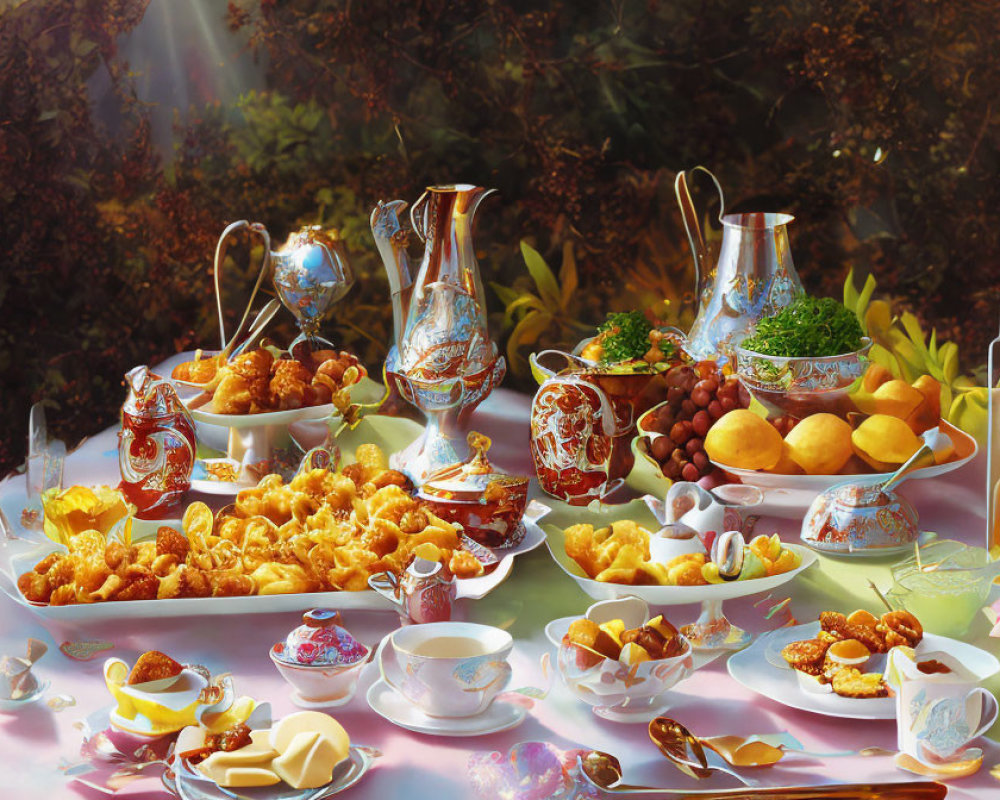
{"points": [[308, 761], [309, 722], [249, 776], [256, 755]]}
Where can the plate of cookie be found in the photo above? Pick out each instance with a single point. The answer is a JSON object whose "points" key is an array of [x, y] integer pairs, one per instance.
{"points": [[835, 666]]}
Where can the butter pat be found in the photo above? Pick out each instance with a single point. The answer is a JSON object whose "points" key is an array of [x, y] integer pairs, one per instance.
{"points": [[308, 761]]}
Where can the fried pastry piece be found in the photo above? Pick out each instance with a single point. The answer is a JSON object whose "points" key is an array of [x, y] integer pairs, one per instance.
{"points": [[290, 384], [185, 581], [851, 682], [173, 542], [138, 583], [232, 395], [806, 656], [35, 587], [201, 370], [153, 666], [835, 623], [465, 565], [900, 628]]}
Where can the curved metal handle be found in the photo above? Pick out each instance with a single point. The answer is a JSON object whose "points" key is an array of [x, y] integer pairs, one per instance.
{"points": [[418, 218], [692, 227], [220, 250]]}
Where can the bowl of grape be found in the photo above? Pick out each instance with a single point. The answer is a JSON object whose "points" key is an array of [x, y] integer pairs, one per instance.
{"points": [[671, 435]]}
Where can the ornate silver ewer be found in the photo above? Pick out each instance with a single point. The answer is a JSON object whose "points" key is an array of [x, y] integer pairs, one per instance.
{"points": [[443, 361], [311, 273], [753, 278]]}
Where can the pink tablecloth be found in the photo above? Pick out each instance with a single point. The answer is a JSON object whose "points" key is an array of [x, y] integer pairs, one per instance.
{"points": [[34, 741]]}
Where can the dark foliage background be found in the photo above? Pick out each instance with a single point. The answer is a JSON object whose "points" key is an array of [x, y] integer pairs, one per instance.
{"points": [[872, 122]]}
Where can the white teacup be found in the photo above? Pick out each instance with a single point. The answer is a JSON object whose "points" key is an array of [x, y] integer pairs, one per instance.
{"points": [[447, 669], [938, 714]]}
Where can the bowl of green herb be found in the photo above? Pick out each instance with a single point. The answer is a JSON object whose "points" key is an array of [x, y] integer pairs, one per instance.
{"points": [[805, 358]]}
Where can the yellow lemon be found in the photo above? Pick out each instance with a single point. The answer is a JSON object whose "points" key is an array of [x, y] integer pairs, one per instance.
{"points": [[896, 398], [820, 444], [885, 441], [743, 440], [786, 465]]}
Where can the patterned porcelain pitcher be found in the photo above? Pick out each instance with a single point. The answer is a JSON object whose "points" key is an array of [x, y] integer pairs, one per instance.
{"points": [[156, 444], [422, 594], [753, 278]]}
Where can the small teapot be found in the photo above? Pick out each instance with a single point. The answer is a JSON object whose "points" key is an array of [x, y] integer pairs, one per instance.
{"points": [[690, 511], [422, 594]]}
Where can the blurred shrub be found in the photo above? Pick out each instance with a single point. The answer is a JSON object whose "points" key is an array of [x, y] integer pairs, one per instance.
{"points": [[872, 122]]}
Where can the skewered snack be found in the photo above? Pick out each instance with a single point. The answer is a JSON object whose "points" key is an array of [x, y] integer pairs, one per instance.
{"points": [[257, 382], [322, 531]]}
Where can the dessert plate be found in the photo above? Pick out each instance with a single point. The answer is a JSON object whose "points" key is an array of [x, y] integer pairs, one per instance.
{"points": [[185, 782], [389, 704], [761, 669]]}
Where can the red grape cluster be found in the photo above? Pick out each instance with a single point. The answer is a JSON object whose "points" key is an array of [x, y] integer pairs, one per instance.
{"points": [[697, 395]]}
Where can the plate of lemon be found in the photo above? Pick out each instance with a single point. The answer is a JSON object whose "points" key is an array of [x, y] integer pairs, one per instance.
{"points": [[822, 450]]}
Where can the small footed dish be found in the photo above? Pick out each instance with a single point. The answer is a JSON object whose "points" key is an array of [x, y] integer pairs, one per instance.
{"points": [[321, 660]]}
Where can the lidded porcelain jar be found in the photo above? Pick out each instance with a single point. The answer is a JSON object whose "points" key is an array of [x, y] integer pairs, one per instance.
{"points": [[320, 659]]}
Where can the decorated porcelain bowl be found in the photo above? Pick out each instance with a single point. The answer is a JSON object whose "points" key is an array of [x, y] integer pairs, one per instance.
{"points": [[855, 518], [618, 692], [318, 684], [802, 386], [320, 659]]}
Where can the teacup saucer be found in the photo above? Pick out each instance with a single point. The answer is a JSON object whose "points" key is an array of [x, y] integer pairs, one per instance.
{"points": [[388, 703], [302, 702], [968, 764]]}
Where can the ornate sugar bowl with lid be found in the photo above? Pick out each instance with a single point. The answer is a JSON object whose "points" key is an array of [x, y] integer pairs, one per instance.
{"points": [[321, 660]]}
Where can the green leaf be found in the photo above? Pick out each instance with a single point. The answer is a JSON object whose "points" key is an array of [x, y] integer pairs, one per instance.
{"points": [[948, 359], [528, 301], [851, 293], [526, 332], [548, 288], [912, 327], [865, 298], [568, 277], [505, 293]]}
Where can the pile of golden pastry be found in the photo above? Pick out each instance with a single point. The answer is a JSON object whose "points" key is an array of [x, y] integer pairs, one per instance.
{"points": [[619, 553], [256, 381], [323, 531], [838, 654]]}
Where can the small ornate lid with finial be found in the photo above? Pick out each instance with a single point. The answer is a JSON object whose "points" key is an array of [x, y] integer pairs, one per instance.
{"points": [[322, 640]]}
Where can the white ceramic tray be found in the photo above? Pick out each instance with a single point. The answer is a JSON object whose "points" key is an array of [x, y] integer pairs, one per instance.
{"points": [[17, 557]]}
